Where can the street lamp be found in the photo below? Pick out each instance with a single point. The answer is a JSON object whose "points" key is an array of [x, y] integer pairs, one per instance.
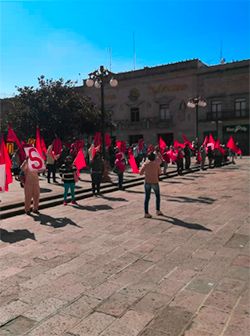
{"points": [[98, 78], [195, 103]]}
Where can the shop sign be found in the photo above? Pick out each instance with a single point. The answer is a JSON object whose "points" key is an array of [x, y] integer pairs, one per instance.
{"points": [[237, 128]]}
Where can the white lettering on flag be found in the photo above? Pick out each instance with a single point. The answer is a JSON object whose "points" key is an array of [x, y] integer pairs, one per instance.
{"points": [[35, 161]]}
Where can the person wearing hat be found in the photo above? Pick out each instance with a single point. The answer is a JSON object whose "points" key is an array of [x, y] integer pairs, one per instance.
{"points": [[68, 174]]}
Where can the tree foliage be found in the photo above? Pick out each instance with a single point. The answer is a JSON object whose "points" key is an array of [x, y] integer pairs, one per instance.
{"points": [[56, 107]]}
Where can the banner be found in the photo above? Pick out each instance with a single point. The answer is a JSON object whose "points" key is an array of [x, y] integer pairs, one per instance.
{"points": [[35, 161]]}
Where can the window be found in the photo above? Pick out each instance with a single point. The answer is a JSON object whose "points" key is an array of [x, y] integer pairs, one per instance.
{"points": [[216, 110], [240, 107], [135, 138], [135, 114], [164, 112]]}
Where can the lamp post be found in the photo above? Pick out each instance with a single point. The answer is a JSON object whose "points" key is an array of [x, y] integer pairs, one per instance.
{"points": [[98, 78], [195, 103]]}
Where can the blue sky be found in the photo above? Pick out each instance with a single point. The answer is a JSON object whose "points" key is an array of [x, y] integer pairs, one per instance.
{"points": [[70, 38]]}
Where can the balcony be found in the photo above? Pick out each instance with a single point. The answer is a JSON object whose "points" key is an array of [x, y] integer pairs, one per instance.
{"points": [[224, 115], [145, 123]]}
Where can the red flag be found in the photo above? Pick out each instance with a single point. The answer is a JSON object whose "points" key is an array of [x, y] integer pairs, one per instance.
{"points": [[211, 139], [217, 145], [5, 167], [173, 155], [231, 144], [44, 149], [79, 161], [205, 142], [107, 140], [162, 144], [57, 146], [186, 141], [133, 164], [121, 145], [12, 137], [140, 144], [178, 144], [97, 139], [38, 143]]}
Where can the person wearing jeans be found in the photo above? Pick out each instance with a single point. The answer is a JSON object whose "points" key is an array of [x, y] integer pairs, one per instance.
{"points": [[67, 172], [151, 168]]}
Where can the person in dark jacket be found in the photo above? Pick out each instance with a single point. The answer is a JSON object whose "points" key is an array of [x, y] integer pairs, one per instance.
{"points": [[96, 170], [68, 172], [179, 161], [187, 154], [210, 155], [120, 168]]}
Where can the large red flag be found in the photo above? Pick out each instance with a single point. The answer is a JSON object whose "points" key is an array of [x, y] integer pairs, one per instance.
{"points": [[132, 163], [39, 143], [79, 161], [140, 144], [107, 140], [121, 145], [186, 141], [205, 142], [57, 146], [5, 167], [12, 137], [43, 145], [217, 145], [211, 139], [162, 144], [97, 139], [178, 144], [231, 144]]}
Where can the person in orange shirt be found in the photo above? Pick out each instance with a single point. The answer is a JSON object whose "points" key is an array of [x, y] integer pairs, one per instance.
{"points": [[152, 170]]}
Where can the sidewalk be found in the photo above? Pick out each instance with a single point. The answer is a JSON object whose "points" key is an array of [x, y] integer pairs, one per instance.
{"points": [[102, 269]]}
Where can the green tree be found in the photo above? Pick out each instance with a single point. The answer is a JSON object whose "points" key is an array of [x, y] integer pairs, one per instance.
{"points": [[56, 107]]}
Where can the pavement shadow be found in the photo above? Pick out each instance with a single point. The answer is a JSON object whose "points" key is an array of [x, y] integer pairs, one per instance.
{"points": [[172, 182], [184, 199], [55, 222], [16, 235], [45, 190], [119, 199], [179, 222], [94, 207]]}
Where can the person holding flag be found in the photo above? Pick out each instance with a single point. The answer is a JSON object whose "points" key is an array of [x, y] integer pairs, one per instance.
{"points": [[31, 183]]}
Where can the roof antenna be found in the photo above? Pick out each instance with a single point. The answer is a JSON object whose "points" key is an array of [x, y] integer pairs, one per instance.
{"points": [[110, 58], [222, 59], [134, 53]]}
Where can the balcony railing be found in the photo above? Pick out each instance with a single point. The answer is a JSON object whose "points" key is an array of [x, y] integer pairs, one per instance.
{"points": [[145, 123], [224, 115]]}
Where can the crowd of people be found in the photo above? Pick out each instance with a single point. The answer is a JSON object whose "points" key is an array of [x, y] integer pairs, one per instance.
{"points": [[150, 160]]}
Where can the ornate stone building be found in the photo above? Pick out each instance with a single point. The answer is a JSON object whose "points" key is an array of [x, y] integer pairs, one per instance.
{"points": [[152, 102]]}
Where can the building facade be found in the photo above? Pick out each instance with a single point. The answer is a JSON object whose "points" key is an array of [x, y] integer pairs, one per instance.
{"points": [[152, 102]]}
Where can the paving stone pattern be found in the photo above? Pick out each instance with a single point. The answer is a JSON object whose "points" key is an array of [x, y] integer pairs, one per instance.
{"points": [[102, 269]]}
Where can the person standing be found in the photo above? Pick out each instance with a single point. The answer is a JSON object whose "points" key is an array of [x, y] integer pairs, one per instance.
{"points": [[187, 154], [203, 157], [120, 168], [152, 170], [51, 164], [68, 175], [179, 161], [96, 170], [31, 188]]}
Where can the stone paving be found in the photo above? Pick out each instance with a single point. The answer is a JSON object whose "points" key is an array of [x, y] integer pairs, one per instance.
{"points": [[102, 269]]}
